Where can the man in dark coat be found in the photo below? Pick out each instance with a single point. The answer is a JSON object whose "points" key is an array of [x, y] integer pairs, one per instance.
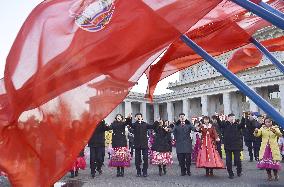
{"points": [[140, 129], [250, 124], [97, 148], [181, 131], [233, 143], [216, 124], [257, 140]]}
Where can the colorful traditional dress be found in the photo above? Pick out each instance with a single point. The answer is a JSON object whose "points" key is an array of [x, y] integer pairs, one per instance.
{"points": [[120, 156], [162, 158], [162, 146], [197, 144], [208, 156], [269, 154]]}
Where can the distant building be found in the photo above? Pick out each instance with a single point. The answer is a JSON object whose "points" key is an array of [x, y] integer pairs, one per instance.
{"points": [[201, 90]]}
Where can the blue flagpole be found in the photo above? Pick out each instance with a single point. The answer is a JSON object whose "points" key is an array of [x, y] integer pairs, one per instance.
{"points": [[261, 12], [271, 9], [264, 51], [264, 105]]}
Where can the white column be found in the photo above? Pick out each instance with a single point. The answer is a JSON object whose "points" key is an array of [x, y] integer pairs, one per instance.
{"points": [[227, 103], [143, 110], [204, 103], [263, 92], [185, 107], [128, 108], [170, 108], [252, 106], [156, 111], [281, 95]]}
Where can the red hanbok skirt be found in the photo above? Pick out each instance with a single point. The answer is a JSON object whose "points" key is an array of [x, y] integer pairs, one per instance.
{"points": [[196, 148], [208, 156]]}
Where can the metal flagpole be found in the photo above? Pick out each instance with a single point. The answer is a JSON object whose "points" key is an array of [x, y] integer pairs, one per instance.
{"points": [[261, 12], [264, 105], [264, 51], [271, 9]]}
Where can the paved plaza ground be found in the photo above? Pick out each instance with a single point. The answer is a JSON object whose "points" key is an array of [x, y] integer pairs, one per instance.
{"points": [[252, 177]]}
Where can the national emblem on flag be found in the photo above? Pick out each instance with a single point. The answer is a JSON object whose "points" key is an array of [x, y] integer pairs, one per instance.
{"points": [[92, 15]]}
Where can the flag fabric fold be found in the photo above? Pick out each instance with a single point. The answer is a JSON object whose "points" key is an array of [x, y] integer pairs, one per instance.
{"points": [[231, 29], [249, 56]]}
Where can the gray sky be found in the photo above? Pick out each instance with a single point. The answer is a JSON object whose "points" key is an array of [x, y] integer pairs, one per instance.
{"points": [[12, 15]]}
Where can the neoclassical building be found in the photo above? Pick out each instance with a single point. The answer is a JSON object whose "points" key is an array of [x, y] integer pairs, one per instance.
{"points": [[201, 90]]}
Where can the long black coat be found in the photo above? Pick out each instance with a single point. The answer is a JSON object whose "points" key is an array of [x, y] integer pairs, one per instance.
{"points": [[233, 138], [98, 137], [182, 136], [118, 135], [250, 127], [257, 140], [140, 134], [162, 139]]}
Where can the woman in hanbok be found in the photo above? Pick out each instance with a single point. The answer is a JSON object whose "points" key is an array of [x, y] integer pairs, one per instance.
{"points": [[196, 141], [208, 156], [120, 157], [162, 146], [269, 153]]}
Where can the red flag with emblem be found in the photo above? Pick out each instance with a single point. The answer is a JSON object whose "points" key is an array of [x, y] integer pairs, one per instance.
{"points": [[71, 64]]}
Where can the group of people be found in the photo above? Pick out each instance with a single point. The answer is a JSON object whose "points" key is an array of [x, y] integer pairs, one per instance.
{"points": [[265, 143], [208, 134]]}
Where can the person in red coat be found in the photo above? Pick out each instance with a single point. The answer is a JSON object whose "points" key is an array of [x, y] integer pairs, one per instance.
{"points": [[80, 163], [208, 157]]}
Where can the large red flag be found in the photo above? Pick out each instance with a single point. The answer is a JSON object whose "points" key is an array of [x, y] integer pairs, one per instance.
{"points": [[71, 64], [216, 38], [249, 56], [221, 12]]}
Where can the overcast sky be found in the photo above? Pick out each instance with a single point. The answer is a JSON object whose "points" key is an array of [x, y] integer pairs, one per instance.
{"points": [[12, 15]]}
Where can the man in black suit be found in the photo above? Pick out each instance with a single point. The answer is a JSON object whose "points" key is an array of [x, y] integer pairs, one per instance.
{"points": [[97, 148], [233, 143], [140, 129]]}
